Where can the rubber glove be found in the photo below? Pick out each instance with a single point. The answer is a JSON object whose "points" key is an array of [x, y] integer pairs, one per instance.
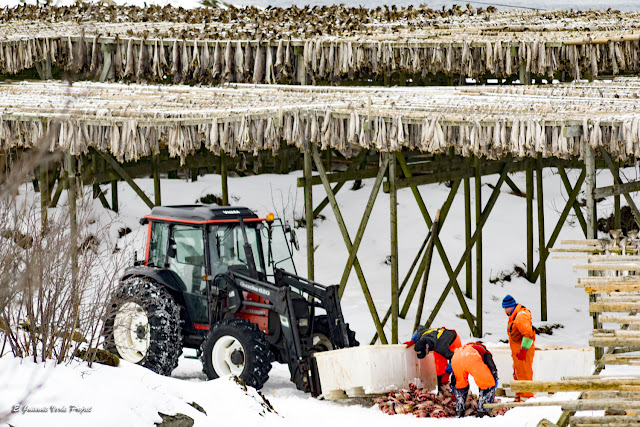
{"points": [[449, 369], [522, 354], [409, 343]]}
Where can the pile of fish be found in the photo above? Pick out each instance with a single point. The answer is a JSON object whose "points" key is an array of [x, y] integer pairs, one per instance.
{"points": [[422, 403]]}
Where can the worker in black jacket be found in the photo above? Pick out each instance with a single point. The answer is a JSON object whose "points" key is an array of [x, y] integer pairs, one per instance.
{"points": [[443, 342]]}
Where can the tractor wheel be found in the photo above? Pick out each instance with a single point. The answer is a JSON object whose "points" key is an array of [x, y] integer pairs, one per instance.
{"points": [[321, 334], [237, 347], [143, 326]]}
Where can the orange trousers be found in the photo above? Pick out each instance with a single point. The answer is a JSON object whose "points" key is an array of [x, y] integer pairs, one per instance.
{"points": [[522, 369]]}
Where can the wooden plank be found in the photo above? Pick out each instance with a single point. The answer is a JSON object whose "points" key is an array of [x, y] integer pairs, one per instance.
{"points": [[607, 419], [604, 333], [123, 174], [616, 189], [597, 383], [605, 318], [609, 266], [613, 394], [590, 242], [614, 342], [573, 405], [600, 307], [621, 359], [609, 280]]}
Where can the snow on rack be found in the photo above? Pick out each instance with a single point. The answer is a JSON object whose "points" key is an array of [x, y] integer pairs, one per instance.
{"points": [[129, 121], [284, 45]]}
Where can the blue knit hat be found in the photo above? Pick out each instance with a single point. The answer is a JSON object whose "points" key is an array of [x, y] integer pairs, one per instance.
{"points": [[509, 302]]}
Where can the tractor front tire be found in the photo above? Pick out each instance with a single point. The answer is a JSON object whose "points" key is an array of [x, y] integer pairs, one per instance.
{"points": [[143, 326], [237, 347], [321, 333]]}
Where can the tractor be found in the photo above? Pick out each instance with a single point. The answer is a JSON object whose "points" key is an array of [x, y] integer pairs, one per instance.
{"points": [[222, 281]]}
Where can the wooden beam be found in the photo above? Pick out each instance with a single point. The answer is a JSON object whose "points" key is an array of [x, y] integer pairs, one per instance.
{"points": [[114, 196], [601, 307], [308, 212], [623, 265], [223, 179], [607, 318], [599, 289], [529, 182], [123, 174], [479, 294], [590, 181], [617, 181], [467, 236], [542, 245], [576, 206], [393, 213], [347, 241], [342, 176], [155, 162], [575, 384], [614, 342], [556, 231], [617, 189], [606, 420], [362, 157], [72, 192], [572, 405]]}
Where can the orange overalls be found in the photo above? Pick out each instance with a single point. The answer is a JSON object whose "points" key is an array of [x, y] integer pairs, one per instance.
{"points": [[467, 360], [518, 328]]}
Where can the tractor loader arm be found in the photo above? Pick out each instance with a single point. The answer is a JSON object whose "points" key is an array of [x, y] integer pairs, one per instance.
{"points": [[281, 302]]}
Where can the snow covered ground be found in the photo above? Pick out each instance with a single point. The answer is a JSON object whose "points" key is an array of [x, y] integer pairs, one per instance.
{"points": [[131, 395]]}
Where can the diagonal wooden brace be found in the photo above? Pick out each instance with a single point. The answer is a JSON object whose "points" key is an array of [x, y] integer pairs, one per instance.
{"points": [[480, 225], [616, 179], [363, 224], [576, 205], [438, 243], [347, 241], [563, 217]]}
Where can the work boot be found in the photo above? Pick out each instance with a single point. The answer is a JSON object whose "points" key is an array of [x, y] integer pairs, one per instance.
{"points": [[459, 414]]}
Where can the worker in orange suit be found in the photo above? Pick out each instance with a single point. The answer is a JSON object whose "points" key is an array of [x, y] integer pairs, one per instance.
{"points": [[442, 342], [474, 359], [521, 341]]}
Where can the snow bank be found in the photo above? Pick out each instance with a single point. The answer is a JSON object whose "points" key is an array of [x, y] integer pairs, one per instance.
{"points": [[44, 394]]}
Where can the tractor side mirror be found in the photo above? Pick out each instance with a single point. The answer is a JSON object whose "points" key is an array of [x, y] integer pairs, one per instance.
{"points": [[172, 250], [293, 238]]}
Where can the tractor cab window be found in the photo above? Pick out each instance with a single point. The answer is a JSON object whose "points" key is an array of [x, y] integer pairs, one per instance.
{"points": [[279, 255], [227, 247], [158, 244], [187, 256]]}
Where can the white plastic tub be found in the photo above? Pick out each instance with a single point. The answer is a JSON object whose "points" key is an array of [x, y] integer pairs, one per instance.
{"points": [[375, 369], [550, 363]]}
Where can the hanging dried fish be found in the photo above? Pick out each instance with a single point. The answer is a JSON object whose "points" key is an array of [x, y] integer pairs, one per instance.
{"points": [[130, 67]]}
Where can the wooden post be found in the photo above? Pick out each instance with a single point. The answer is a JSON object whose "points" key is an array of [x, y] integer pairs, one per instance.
{"points": [[223, 177], [73, 221], [617, 216], [393, 201], [529, 180], [308, 211], [542, 243], [467, 234], [114, 195], [478, 184], [590, 164], [155, 162], [44, 194]]}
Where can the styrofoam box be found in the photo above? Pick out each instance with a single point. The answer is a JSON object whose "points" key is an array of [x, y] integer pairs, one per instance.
{"points": [[374, 369], [550, 362]]}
